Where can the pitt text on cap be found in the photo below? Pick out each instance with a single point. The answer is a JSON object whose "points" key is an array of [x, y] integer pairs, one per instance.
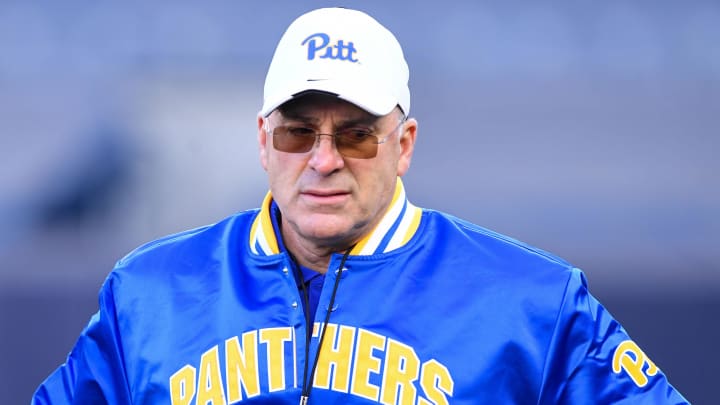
{"points": [[338, 51]]}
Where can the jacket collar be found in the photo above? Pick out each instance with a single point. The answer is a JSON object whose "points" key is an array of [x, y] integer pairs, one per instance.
{"points": [[398, 225]]}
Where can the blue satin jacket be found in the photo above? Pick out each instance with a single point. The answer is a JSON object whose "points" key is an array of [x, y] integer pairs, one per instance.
{"points": [[429, 309]]}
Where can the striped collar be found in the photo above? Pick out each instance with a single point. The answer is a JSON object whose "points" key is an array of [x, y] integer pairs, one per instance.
{"points": [[397, 226]]}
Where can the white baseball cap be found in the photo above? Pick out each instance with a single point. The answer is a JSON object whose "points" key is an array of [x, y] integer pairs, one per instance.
{"points": [[343, 52]]}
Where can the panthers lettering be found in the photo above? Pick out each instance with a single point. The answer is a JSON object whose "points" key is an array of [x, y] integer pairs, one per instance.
{"points": [[276, 339], [352, 360], [366, 364], [241, 367], [402, 368], [182, 385], [210, 384], [335, 357]]}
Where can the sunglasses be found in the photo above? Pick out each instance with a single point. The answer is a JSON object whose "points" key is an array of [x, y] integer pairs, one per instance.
{"points": [[358, 143]]}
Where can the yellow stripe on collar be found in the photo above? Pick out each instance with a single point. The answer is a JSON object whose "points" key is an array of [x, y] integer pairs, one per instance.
{"points": [[407, 223], [368, 244], [406, 229], [262, 234]]}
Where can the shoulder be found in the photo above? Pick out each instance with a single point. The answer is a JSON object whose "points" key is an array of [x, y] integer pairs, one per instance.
{"points": [[491, 265], [474, 240], [190, 248]]}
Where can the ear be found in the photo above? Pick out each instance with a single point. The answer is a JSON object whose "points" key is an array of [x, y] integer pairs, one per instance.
{"points": [[262, 141], [407, 145]]}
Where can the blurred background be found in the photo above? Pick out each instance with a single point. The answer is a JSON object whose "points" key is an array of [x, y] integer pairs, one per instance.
{"points": [[588, 129]]}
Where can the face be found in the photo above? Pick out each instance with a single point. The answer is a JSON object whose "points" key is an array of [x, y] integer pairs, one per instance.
{"points": [[327, 199]]}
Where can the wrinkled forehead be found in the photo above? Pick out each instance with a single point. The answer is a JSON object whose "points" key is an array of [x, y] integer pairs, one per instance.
{"points": [[312, 106]]}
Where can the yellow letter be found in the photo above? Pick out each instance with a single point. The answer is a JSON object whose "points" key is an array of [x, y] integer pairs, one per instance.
{"points": [[436, 383], [402, 367], [275, 339], [210, 383], [241, 367], [365, 364], [182, 386], [336, 354], [633, 365]]}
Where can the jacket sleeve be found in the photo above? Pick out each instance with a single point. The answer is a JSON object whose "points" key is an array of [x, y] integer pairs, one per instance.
{"points": [[94, 371], [593, 360]]}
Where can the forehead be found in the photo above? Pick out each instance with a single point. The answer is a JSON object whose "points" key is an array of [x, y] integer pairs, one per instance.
{"points": [[313, 106]]}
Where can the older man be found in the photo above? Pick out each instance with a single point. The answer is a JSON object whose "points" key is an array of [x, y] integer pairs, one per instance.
{"points": [[338, 289]]}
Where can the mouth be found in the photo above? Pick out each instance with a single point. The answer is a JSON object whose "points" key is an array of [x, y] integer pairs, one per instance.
{"points": [[325, 197]]}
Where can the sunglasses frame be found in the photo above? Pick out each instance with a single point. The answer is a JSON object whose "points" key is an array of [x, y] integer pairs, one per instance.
{"points": [[316, 135]]}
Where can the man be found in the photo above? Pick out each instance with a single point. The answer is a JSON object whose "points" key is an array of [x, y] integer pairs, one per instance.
{"points": [[408, 306]]}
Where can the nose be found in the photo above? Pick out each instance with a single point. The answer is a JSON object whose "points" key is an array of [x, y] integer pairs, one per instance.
{"points": [[325, 158]]}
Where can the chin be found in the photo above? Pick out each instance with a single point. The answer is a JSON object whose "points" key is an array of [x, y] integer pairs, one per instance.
{"points": [[326, 227], [326, 231]]}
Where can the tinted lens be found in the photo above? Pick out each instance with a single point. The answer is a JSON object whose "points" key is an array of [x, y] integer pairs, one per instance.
{"points": [[358, 145], [350, 143], [292, 141]]}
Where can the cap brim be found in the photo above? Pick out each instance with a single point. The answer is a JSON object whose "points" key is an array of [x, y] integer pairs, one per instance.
{"points": [[375, 101]]}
